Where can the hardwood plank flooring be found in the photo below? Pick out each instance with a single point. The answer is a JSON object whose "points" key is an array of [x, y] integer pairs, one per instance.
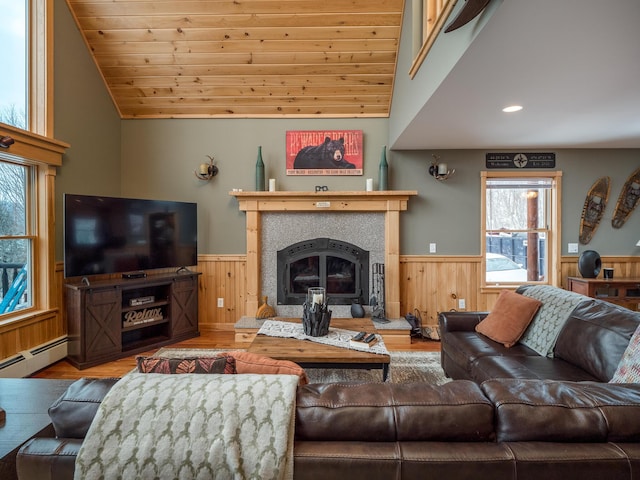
{"points": [[209, 338]]}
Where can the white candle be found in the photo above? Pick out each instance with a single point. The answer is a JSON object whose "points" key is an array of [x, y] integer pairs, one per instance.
{"points": [[204, 169], [369, 184], [317, 298], [272, 184], [442, 169]]}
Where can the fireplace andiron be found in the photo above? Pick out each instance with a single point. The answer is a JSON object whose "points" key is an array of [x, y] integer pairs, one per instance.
{"points": [[315, 314]]}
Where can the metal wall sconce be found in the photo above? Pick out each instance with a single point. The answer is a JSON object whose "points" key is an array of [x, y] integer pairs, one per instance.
{"points": [[206, 171], [439, 170], [6, 142]]}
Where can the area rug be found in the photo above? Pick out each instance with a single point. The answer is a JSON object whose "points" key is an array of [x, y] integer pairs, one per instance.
{"points": [[405, 367]]}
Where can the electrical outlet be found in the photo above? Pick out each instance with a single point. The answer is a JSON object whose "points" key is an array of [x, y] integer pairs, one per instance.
{"points": [[432, 248], [462, 304], [220, 302], [572, 248]]}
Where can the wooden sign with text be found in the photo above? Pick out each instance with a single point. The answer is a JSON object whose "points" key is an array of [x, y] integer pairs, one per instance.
{"points": [[521, 160]]}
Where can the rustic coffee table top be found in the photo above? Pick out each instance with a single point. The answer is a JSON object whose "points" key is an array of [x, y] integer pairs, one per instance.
{"points": [[308, 352]]}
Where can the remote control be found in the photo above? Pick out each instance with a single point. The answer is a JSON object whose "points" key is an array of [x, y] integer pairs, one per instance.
{"points": [[370, 338], [358, 337]]}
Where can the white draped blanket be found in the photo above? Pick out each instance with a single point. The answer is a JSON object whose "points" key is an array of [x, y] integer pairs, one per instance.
{"points": [[192, 426]]}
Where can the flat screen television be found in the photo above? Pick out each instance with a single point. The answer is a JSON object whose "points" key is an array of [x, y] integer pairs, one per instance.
{"points": [[107, 235]]}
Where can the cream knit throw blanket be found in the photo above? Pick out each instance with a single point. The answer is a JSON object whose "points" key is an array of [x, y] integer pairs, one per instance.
{"points": [[192, 427]]}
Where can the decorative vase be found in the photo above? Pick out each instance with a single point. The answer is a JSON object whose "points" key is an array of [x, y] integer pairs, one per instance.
{"points": [[357, 310], [316, 317], [383, 173], [589, 264], [259, 172]]}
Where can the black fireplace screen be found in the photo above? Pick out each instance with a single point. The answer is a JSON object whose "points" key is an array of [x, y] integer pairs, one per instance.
{"points": [[341, 267]]}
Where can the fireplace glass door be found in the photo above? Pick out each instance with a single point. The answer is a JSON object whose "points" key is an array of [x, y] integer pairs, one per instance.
{"points": [[340, 267]]}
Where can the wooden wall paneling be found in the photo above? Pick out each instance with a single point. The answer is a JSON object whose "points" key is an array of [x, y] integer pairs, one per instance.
{"points": [[435, 284], [223, 276]]}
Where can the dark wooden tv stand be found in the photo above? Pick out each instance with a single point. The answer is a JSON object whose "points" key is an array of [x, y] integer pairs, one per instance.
{"points": [[111, 319]]}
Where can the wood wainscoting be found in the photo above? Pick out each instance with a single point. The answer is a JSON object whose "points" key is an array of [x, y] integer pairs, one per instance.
{"points": [[429, 283]]}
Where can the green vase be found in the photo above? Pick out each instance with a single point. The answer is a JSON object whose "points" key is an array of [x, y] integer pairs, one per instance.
{"points": [[384, 170], [259, 172]]}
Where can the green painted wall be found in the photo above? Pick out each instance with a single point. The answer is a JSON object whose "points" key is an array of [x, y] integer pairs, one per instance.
{"points": [[448, 213], [159, 158]]}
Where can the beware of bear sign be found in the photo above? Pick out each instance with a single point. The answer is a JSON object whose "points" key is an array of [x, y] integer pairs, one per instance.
{"points": [[324, 152]]}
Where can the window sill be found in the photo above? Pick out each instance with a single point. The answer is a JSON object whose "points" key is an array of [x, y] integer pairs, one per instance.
{"points": [[25, 318]]}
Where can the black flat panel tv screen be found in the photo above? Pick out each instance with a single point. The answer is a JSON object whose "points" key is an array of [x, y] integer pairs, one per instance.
{"points": [[117, 235]]}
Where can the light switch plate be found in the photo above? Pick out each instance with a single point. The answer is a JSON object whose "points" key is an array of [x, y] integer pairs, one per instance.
{"points": [[572, 248], [432, 248]]}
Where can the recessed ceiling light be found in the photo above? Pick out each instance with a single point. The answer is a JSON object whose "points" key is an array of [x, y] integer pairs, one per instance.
{"points": [[512, 108]]}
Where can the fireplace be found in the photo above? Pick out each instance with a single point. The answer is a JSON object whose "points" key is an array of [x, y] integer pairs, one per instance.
{"points": [[356, 217], [341, 267]]}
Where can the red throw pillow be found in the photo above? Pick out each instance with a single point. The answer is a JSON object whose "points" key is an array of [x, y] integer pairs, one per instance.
{"points": [[509, 318], [217, 364]]}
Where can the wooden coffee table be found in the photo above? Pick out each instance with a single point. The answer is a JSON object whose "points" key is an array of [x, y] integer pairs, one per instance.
{"points": [[310, 354]]}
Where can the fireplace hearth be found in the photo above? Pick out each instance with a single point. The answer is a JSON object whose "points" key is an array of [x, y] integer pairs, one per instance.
{"points": [[342, 268]]}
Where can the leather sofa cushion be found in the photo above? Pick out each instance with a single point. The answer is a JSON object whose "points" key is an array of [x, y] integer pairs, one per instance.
{"points": [[551, 411], [455, 411], [72, 414], [527, 367], [465, 348], [48, 458], [509, 318], [595, 337]]}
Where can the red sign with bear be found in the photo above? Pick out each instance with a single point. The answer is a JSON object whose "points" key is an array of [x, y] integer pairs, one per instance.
{"points": [[324, 152]]}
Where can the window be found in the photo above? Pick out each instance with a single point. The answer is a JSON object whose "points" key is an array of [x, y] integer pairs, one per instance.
{"points": [[27, 168], [15, 238], [520, 227], [13, 81]]}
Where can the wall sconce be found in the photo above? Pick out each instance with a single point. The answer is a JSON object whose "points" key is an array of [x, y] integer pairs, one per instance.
{"points": [[438, 170], [6, 142], [206, 171]]}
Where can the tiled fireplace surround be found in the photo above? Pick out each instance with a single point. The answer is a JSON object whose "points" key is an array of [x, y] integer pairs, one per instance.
{"points": [[275, 220]]}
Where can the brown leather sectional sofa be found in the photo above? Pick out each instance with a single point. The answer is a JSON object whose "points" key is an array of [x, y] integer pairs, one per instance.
{"points": [[589, 345], [523, 415], [503, 429]]}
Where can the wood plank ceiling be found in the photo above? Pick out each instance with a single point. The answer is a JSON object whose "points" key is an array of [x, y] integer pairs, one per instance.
{"points": [[244, 58]]}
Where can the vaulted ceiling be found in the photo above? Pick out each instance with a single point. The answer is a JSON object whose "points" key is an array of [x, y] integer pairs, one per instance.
{"points": [[571, 64], [244, 58]]}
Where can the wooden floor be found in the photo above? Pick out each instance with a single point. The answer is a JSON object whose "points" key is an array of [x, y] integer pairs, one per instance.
{"points": [[208, 339]]}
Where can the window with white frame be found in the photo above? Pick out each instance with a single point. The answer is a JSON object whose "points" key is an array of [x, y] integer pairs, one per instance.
{"points": [[519, 227]]}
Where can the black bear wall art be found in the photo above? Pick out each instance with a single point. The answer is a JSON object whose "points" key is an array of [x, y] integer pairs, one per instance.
{"points": [[324, 152]]}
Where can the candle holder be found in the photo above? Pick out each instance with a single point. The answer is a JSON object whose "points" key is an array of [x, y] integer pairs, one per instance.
{"points": [[316, 317]]}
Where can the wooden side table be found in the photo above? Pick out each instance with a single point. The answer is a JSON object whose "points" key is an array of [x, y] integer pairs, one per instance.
{"points": [[621, 291], [26, 402]]}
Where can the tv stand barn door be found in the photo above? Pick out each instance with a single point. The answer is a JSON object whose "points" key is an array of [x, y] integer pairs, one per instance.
{"points": [[112, 319]]}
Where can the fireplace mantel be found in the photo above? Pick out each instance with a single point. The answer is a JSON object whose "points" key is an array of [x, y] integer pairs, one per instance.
{"points": [[390, 202]]}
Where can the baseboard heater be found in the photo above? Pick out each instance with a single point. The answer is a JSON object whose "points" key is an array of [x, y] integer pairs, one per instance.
{"points": [[28, 362]]}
